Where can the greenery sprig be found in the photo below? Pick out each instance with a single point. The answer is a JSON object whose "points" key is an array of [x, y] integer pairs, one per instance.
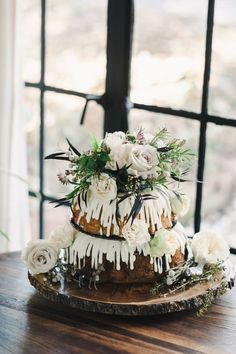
{"points": [[184, 277]]}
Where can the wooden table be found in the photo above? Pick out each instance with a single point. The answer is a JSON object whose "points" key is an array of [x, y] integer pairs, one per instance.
{"points": [[31, 324]]}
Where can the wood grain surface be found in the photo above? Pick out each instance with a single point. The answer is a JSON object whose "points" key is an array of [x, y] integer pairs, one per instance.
{"points": [[31, 324]]}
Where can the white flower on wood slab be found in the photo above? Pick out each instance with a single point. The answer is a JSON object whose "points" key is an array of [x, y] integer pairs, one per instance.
{"points": [[40, 256], [209, 247]]}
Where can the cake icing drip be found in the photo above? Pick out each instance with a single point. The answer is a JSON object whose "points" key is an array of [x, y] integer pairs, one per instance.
{"points": [[115, 252], [105, 211]]}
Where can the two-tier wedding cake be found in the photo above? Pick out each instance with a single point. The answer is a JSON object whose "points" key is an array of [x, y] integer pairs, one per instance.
{"points": [[126, 201]]}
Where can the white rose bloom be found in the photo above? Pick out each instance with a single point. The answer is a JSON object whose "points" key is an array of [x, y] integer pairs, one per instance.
{"points": [[113, 140], [143, 160], [103, 187], [63, 235], [118, 157], [164, 242], [40, 256], [180, 206], [137, 233], [209, 247]]}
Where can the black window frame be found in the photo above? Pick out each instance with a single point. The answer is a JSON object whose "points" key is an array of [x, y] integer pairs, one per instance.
{"points": [[116, 101]]}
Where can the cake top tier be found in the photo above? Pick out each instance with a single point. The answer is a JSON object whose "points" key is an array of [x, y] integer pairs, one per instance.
{"points": [[126, 163]]}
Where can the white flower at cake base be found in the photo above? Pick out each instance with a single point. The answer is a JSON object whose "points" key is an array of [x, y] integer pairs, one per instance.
{"points": [[40, 256], [164, 242], [143, 160], [103, 187], [137, 233], [63, 235], [180, 204], [209, 247]]}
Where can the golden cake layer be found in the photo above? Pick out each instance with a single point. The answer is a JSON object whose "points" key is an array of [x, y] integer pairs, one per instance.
{"points": [[94, 226]]}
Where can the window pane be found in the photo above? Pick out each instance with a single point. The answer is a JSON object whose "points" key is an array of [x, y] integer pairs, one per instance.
{"points": [[34, 217], [223, 71], [62, 118], [181, 128], [76, 42], [54, 217], [31, 110], [31, 39], [168, 55], [219, 189]]}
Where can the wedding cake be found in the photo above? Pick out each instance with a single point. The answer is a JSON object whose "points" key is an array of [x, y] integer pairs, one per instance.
{"points": [[126, 201]]}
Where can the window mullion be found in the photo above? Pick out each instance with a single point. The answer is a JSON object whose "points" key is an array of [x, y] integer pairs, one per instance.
{"points": [[119, 44]]}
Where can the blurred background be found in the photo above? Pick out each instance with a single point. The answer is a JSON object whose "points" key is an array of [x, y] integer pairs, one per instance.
{"points": [[166, 70]]}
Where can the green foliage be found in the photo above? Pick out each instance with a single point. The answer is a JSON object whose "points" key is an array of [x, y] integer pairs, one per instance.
{"points": [[95, 144], [210, 297]]}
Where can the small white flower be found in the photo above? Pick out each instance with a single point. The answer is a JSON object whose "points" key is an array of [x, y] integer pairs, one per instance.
{"points": [[171, 273], [137, 233], [103, 187], [169, 281], [143, 160], [63, 235], [62, 178], [40, 256], [164, 242], [196, 270], [181, 205], [209, 247]]}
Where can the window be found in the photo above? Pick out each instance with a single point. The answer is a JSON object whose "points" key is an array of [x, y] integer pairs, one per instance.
{"points": [[182, 66]]}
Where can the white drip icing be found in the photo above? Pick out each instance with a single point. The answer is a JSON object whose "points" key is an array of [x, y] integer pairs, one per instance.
{"points": [[151, 211], [115, 251]]}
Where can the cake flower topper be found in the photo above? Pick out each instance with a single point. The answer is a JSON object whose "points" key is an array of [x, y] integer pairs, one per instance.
{"points": [[128, 164]]}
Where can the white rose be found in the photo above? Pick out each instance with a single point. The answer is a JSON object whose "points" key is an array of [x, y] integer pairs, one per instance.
{"points": [[180, 206], [113, 140], [118, 157], [164, 242], [143, 160], [137, 233], [209, 247], [40, 256], [63, 235], [104, 187]]}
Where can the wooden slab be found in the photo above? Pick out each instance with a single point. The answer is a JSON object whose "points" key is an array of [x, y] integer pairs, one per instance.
{"points": [[122, 299]]}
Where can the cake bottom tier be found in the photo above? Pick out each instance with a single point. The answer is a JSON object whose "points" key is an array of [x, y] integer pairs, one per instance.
{"points": [[143, 271]]}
